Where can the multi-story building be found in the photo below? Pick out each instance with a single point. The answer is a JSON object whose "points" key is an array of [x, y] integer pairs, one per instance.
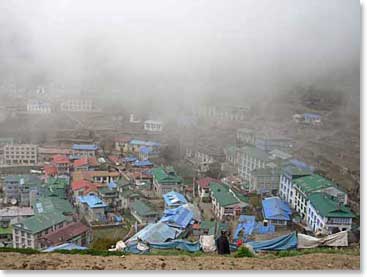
{"points": [[201, 160], [325, 212], [289, 174], [270, 143], [77, 105], [223, 112], [20, 154], [14, 214], [28, 232], [304, 186], [225, 202], [166, 180], [38, 106], [251, 158], [75, 232], [153, 125], [245, 136], [203, 188], [266, 180], [62, 164], [83, 150], [92, 207], [21, 189]]}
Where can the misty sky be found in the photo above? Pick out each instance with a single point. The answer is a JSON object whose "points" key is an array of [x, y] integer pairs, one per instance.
{"points": [[187, 47]]}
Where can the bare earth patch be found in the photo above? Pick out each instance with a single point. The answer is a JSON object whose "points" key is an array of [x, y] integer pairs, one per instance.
{"points": [[18, 261]]}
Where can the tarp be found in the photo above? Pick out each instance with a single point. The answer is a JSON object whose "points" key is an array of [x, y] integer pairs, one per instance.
{"points": [[65, 246], [248, 226], [208, 243], [194, 210], [174, 244], [280, 243], [338, 239], [276, 209], [155, 233]]}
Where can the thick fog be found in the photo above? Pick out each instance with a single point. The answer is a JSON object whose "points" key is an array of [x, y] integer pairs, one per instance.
{"points": [[181, 50]]}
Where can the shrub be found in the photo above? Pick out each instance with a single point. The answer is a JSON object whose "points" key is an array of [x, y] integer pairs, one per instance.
{"points": [[244, 252], [20, 250]]}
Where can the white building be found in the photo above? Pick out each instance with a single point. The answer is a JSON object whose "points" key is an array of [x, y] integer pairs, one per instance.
{"points": [[286, 188], [77, 105], [37, 106], [153, 125], [251, 158], [326, 213], [20, 154], [306, 185]]}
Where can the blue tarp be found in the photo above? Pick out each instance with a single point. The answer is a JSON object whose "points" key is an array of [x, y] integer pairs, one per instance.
{"points": [[179, 217], [156, 233], [249, 226], [276, 209], [280, 243], [92, 201], [174, 244], [65, 246], [142, 163]]}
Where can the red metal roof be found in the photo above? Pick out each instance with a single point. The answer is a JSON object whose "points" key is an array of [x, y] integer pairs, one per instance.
{"points": [[60, 159], [91, 161], [81, 184], [50, 169], [81, 162], [66, 233], [204, 182]]}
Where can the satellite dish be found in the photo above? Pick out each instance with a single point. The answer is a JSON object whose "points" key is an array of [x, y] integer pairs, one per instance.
{"points": [[13, 201]]}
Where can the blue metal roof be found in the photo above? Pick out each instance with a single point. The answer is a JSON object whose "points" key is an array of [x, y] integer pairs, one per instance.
{"points": [[174, 198], [179, 217], [112, 185], [312, 115], [92, 201], [276, 209], [145, 150], [142, 163], [88, 147], [129, 159], [143, 142]]}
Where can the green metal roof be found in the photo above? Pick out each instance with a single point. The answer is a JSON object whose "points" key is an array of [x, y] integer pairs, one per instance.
{"points": [[255, 152], [329, 207], [40, 222], [295, 171], [52, 204], [312, 183], [222, 195], [166, 176], [213, 227], [143, 209], [266, 171]]}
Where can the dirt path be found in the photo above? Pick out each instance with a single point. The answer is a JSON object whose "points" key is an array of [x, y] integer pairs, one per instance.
{"points": [[139, 262]]}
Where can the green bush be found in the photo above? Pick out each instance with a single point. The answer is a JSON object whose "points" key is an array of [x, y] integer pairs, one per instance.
{"points": [[243, 252], [20, 250], [93, 252]]}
